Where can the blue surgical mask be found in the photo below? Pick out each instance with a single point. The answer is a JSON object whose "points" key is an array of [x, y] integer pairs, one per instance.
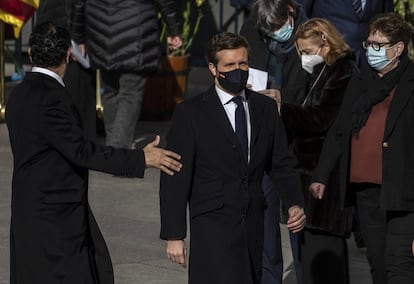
{"points": [[378, 59], [284, 33]]}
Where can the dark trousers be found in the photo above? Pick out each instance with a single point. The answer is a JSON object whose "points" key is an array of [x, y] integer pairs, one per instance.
{"points": [[123, 92], [388, 236], [399, 257], [373, 227], [272, 266], [324, 258]]}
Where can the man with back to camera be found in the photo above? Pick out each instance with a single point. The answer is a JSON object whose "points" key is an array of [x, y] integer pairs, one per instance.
{"points": [[53, 236], [225, 150]]}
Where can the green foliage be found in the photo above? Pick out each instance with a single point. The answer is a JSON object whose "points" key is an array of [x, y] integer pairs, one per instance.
{"points": [[406, 9]]}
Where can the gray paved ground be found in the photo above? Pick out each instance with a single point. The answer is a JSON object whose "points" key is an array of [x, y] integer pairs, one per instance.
{"points": [[128, 214]]}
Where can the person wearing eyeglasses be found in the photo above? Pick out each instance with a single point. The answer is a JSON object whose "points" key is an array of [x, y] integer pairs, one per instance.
{"points": [[372, 140]]}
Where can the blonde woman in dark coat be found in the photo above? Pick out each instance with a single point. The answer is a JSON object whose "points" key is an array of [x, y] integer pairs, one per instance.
{"points": [[327, 59]]}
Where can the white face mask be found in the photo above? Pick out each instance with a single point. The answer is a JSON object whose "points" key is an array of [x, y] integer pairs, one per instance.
{"points": [[311, 60]]}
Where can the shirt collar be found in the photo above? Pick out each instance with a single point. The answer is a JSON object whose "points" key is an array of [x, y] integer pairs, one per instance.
{"points": [[49, 73], [225, 97]]}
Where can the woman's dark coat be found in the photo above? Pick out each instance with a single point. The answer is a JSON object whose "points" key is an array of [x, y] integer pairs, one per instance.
{"points": [[307, 124], [397, 145]]}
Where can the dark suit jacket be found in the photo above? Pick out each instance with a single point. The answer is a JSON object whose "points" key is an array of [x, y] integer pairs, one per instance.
{"points": [[52, 230], [342, 15], [398, 163], [224, 193]]}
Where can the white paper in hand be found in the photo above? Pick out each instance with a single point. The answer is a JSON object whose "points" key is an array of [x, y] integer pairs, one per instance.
{"points": [[258, 79], [75, 51]]}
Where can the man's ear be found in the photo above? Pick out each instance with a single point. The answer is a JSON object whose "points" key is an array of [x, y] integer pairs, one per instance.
{"points": [[67, 56], [400, 48], [212, 69]]}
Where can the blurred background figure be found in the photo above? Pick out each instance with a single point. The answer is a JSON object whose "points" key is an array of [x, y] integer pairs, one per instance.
{"points": [[327, 59], [270, 32], [123, 41]]}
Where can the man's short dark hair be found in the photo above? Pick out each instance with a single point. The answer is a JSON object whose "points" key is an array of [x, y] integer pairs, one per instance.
{"points": [[49, 45], [224, 40]]}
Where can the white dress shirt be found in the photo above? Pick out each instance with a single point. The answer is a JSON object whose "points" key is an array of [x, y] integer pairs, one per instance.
{"points": [[363, 3], [230, 109], [49, 73]]}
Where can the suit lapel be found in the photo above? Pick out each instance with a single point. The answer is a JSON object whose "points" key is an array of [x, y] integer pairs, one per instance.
{"points": [[256, 116], [217, 114], [403, 92]]}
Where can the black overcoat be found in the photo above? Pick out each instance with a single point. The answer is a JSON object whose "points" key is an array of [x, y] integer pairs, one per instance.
{"points": [[224, 193], [53, 235]]}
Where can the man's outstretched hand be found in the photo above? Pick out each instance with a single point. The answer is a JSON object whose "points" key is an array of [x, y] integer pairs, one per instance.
{"points": [[165, 160]]}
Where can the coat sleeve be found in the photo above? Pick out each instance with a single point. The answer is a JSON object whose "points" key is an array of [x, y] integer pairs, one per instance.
{"points": [[77, 21], [175, 190], [62, 131], [284, 176]]}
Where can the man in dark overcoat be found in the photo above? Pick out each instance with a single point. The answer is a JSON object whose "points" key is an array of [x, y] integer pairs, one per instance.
{"points": [[54, 238], [228, 137]]}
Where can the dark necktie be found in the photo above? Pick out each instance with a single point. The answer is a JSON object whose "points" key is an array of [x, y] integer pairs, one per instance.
{"points": [[241, 124], [357, 7]]}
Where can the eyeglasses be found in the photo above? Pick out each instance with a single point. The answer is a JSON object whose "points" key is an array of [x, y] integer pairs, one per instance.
{"points": [[375, 45]]}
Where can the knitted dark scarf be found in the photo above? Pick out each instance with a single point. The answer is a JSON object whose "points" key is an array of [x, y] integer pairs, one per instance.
{"points": [[278, 52], [374, 89]]}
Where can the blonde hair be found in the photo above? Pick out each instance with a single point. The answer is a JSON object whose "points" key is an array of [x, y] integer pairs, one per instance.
{"points": [[322, 32]]}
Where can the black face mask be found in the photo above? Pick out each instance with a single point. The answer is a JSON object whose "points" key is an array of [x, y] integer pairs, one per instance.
{"points": [[233, 81]]}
